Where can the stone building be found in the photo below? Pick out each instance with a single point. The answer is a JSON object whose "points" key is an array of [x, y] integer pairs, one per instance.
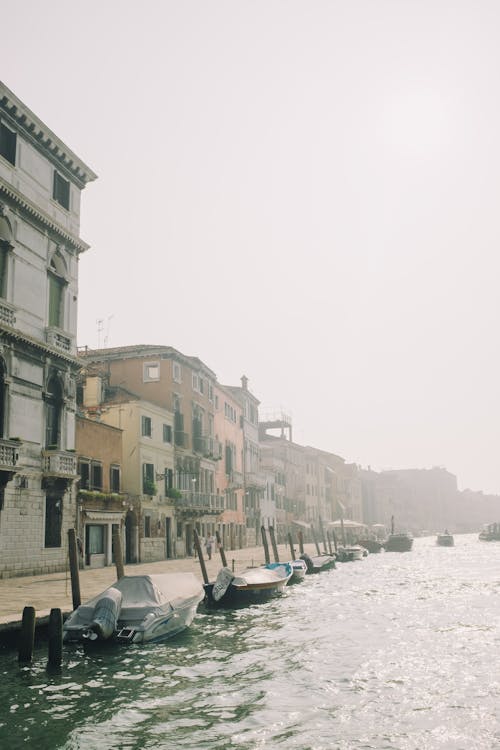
{"points": [[40, 184], [229, 477]]}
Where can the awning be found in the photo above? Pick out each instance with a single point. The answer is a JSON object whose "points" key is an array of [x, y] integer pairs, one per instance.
{"points": [[108, 516], [347, 524], [301, 523]]}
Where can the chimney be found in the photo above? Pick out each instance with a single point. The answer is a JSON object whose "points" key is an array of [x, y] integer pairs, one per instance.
{"points": [[244, 382]]}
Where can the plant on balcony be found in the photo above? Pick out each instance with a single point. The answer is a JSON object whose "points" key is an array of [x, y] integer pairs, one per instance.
{"points": [[173, 493], [149, 487]]}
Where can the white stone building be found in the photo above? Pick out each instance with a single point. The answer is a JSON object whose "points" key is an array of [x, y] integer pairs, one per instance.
{"points": [[40, 185]]}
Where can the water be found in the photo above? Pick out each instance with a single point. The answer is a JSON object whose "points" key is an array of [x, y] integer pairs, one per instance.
{"points": [[397, 652]]}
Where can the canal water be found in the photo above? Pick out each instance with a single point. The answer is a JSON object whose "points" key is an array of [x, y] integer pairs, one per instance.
{"points": [[397, 652]]}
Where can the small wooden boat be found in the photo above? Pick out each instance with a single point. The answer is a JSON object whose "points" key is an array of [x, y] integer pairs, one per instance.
{"points": [[445, 540], [137, 609], [251, 586], [372, 545], [350, 553], [318, 563]]}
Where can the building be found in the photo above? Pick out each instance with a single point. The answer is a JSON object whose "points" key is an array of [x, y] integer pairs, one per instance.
{"points": [[229, 478], [184, 387], [41, 180]]}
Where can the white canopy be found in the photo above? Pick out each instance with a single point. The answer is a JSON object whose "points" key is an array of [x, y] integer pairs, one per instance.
{"points": [[347, 524]]}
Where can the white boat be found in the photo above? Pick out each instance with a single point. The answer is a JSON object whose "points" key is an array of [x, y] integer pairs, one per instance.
{"points": [[137, 609], [298, 568]]}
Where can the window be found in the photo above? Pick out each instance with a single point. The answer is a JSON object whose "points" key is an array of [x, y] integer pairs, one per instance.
{"points": [[146, 426], [95, 539], [147, 526], [151, 371], [3, 268], [53, 520], [61, 191], [84, 472], [229, 412], [53, 411], [114, 478], [176, 372], [7, 144], [57, 284], [96, 469], [167, 433], [148, 479]]}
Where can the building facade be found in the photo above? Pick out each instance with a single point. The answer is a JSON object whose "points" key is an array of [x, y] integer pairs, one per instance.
{"points": [[41, 180]]}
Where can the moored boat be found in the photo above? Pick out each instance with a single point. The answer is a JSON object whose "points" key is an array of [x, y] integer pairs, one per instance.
{"points": [[299, 569], [445, 540], [250, 586], [350, 553], [372, 545], [318, 563], [137, 609], [399, 542]]}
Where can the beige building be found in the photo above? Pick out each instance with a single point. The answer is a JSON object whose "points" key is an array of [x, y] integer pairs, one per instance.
{"points": [[229, 477]]}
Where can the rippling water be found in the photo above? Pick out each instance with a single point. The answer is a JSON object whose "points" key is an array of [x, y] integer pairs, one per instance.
{"points": [[399, 651]]}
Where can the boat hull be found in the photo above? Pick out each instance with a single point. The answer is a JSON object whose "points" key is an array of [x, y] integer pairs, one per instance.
{"points": [[251, 586], [318, 563], [350, 553], [445, 540], [399, 543]]}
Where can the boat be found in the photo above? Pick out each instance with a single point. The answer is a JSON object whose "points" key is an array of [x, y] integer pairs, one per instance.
{"points": [[445, 540], [318, 563], [402, 542], [299, 569], [350, 553], [372, 545], [252, 585], [137, 609], [490, 533]]}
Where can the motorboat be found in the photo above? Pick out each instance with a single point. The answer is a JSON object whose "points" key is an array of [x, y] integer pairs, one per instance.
{"points": [[402, 542], [252, 585], [299, 569], [372, 545], [350, 553], [490, 533], [318, 563], [445, 540], [137, 609]]}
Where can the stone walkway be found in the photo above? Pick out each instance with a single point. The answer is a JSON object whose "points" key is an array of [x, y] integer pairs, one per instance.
{"points": [[54, 590]]}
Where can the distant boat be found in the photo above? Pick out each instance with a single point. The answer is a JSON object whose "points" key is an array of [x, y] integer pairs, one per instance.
{"points": [[445, 540], [490, 533], [402, 542], [252, 585], [372, 545], [350, 553], [137, 609], [318, 563]]}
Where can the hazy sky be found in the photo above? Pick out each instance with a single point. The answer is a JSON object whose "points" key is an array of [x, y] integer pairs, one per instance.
{"points": [[303, 191]]}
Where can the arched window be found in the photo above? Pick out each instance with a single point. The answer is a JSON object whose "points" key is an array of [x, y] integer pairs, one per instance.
{"points": [[3, 398], [5, 246], [53, 410], [57, 284]]}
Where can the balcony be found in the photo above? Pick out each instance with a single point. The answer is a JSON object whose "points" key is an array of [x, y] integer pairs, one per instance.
{"points": [[235, 480], [9, 454], [181, 439], [58, 340], [207, 446], [7, 316], [198, 504], [252, 479], [59, 464]]}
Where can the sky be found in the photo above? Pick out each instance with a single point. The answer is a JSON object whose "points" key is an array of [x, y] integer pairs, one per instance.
{"points": [[302, 191]]}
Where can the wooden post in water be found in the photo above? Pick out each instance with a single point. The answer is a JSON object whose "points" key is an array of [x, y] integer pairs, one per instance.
{"points": [[203, 567], [343, 531], [266, 546], [290, 542], [117, 545], [335, 541], [27, 637], [273, 544], [315, 538], [74, 569], [322, 529], [55, 633], [301, 542], [329, 543], [221, 550]]}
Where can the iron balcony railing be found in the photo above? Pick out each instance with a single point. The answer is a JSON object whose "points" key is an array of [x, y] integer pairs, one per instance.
{"points": [[200, 501], [208, 446]]}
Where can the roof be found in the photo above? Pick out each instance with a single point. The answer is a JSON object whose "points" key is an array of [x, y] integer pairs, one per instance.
{"points": [[44, 139], [134, 351]]}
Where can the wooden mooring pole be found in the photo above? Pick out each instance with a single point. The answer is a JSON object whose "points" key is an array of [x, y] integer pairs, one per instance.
{"points": [[55, 634], [117, 546], [273, 544], [74, 569], [301, 542], [290, 542], [203, 567], [27, 636], [335, 541], [221, 550], [315, 539], [265, 545], [329, 542]]}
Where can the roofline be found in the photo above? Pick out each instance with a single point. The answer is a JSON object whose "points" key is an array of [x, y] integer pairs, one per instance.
{"points": [[43, 138], [143, 351]]}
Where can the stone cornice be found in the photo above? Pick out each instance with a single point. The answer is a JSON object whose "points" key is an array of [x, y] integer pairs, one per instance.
{"points": [[43, 139], [36, 214], [15, 335]]}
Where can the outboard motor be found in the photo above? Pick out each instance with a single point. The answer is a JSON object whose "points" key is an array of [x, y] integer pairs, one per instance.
{"points": [[308, 562], [106, 613]]}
